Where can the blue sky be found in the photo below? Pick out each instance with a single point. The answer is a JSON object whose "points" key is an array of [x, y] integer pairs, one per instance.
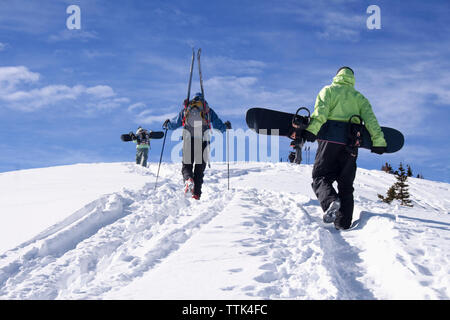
{"points": [[67, 95]]}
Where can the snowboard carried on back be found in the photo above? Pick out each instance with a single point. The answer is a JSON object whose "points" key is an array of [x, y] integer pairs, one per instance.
{"points": [[152, 135], [272, 122]]}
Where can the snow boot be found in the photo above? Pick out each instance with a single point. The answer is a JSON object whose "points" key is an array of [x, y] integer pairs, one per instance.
{"points": [[196, 197], [330, 214], [189, 186]]}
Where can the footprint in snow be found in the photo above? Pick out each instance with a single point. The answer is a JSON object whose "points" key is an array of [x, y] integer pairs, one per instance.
{"points": [[266, 277]]}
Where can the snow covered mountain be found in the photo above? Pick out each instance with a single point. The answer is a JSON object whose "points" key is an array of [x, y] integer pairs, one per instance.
{"points": [[101, 231]]}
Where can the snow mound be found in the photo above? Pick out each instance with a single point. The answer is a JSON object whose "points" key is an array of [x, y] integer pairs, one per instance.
{"points": [[262, 239]]}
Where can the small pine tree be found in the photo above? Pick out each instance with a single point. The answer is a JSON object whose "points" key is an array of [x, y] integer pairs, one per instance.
{"points": [[390, 195], [409, 172], [387, 168], [401, 187], [399, 190]]}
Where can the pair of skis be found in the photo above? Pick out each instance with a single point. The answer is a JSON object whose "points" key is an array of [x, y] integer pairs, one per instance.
{"points": [[199, 52]]}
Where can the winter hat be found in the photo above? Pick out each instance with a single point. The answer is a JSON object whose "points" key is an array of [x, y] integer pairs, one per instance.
{"points": [[345, 68], [198, 96]]}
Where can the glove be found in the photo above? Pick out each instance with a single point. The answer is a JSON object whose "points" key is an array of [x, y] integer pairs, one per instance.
{"points": [[132, 135], [166, 123], [309, 136], [378, 150], [228, 124]]}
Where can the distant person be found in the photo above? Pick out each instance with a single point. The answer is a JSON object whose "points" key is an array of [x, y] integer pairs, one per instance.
{"points": [[142, 140], [196, 118], [335, 162], [297, 145]]}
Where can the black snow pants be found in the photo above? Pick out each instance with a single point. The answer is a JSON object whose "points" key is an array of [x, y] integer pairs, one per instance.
{"points": [[298, 155], [335, 162], [194, 165]]}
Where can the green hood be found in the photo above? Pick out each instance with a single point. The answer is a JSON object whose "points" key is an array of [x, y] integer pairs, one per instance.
{"points": [[344, 77], [339, 101]]}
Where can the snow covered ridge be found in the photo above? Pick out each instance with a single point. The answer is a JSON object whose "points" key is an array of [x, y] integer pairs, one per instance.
{"points": [[110, 235]]}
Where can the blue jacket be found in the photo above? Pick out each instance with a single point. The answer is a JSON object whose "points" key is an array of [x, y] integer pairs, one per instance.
{"points": [[177, 122]]}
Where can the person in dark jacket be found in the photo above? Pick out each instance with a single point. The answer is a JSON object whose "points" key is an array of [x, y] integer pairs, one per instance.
{"points": [[336, 162], [196, 118]]}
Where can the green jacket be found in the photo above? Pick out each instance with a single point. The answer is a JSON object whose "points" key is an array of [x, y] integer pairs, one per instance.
{"points": [[142, 145], [339, 101]]}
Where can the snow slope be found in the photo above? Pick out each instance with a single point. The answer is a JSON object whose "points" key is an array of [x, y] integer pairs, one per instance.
{"points": [[262, 239], [43, 197]]}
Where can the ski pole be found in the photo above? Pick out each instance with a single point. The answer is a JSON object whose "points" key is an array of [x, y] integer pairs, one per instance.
{"points": [[160, 158], [228, 157]]}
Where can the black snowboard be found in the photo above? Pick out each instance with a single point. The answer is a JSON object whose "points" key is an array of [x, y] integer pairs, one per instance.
{"points": [[153, 135], [266, 121]]}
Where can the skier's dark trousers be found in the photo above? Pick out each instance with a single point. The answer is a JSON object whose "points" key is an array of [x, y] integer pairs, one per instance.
{"points": [[192, 169], [337, 162], [334, 162]]}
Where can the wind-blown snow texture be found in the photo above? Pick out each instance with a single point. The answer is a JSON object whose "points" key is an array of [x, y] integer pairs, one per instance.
{"points": [[262, 239]]}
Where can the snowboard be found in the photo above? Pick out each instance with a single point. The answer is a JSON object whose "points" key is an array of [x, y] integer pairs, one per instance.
{"points": [[153, 135], [272, 122]]}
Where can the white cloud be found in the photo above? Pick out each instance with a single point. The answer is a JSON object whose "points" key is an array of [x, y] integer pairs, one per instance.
{"points": [[233, 95], [221, 64], [401, 96], [37, 98], [151, 118], [101, 91], [68, 35], [176, 66], [15, 92], [108, 103], [332, 19], [217, 65], [341, 25], [10, 77], [136, 106]]}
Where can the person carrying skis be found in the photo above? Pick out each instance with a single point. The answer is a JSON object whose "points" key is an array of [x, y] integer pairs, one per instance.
{"points": [[142, 140], [196, 118], [337, 162]]}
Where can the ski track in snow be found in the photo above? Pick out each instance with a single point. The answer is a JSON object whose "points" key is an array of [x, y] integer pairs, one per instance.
{"points": [[301, 255], [120, 237], [85, 255]]}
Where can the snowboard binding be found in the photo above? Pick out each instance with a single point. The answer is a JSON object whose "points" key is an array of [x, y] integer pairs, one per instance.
{"points": [[354, 135], [298, 124]]}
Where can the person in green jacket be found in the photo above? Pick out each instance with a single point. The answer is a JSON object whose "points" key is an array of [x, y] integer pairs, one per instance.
{"points": [[336, 162], [142, 140]]}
